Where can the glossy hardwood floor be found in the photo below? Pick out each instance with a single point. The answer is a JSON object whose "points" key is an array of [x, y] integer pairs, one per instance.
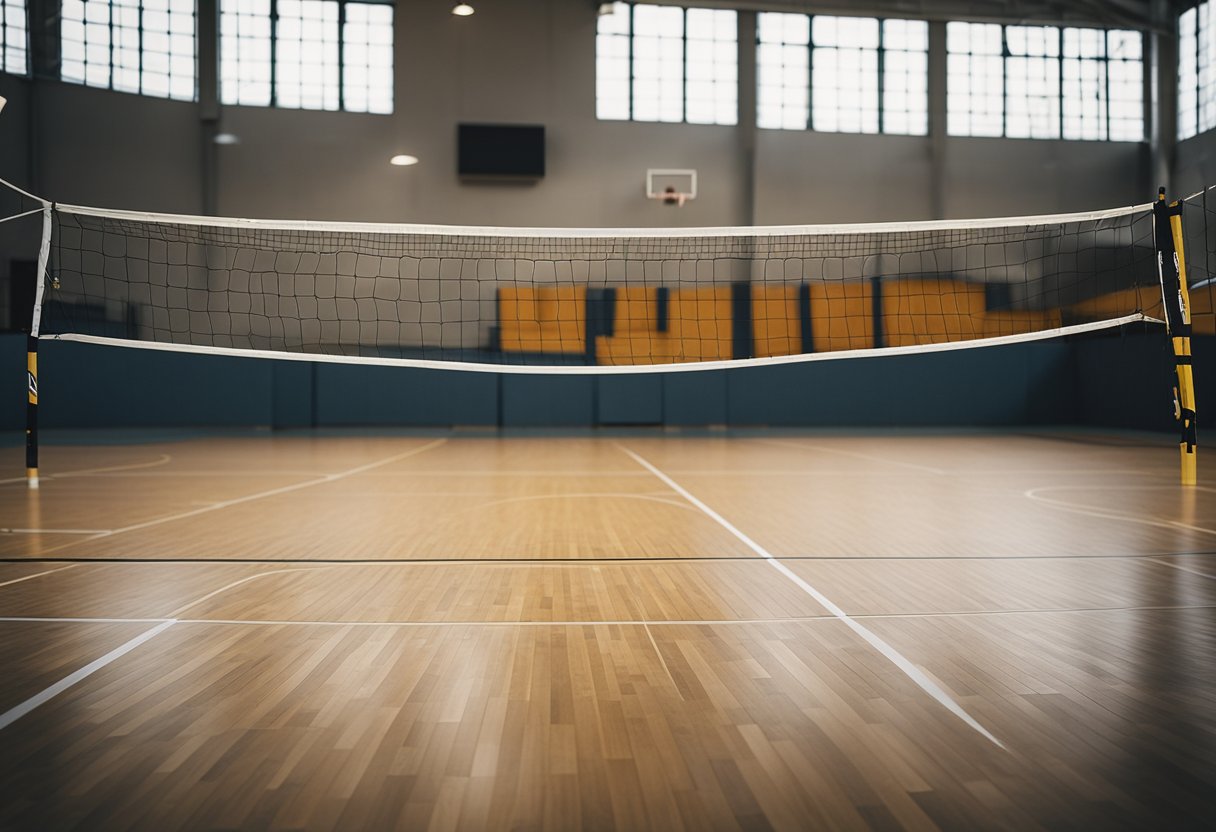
{"points": [[791, 631]]}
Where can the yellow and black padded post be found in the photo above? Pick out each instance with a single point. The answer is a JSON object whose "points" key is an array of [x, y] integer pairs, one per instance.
{"points": [[31, 412], [1171, 268]]}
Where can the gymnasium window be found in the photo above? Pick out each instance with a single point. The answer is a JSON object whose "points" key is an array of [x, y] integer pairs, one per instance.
{"points": [[842, 74], [307, 54], [1044, 82], [14, 35], [666, 63], [1103, 85], [139, 46], [1196, 71]]}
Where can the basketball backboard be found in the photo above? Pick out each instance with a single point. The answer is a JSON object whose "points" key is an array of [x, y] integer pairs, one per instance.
{"points": [[672, 186]]}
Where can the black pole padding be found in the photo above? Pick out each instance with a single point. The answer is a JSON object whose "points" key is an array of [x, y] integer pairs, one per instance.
{"points": [[31, 410]]}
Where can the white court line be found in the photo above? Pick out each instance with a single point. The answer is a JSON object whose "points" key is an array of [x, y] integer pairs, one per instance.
{"points": [[59, 619], [1179, 567], [282, 490], [263, 494], [13, 714], [39, 574], [164, 459], [894, 656], [245, 580], [57, 531], [161, 460], [870, 457], [1034, 495]]}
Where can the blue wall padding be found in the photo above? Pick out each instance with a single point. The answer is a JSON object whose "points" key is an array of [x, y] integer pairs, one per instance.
{"points": [[84, 385], [963, 387], [697, 398], [1128, 382], [630, 400], [294, 389], [546, 401], [347, 394], [1102, 380]]}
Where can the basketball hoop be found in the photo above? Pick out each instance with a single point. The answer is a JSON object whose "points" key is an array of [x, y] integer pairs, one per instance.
{"points": [[670, 186], [674, 198]]}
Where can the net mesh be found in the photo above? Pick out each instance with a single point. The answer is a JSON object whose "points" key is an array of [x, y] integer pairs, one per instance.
{"points": [[1199, 243], [598, 298]]}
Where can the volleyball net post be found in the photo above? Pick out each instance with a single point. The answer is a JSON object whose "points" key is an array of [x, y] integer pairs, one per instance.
{"points": [[31, 352], [1171, 269]]}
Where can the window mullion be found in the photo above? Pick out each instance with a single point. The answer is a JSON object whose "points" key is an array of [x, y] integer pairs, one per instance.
{"points": [[810, 73], [882, 78], [1004, 81], [110, 25], [139, 56], [683, 70], [1060, 80], [1106, 122], [632, 71], [274, 50], [341, 56]]}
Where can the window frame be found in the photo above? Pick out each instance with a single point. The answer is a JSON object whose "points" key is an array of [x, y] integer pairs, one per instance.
{"points": [[1060, 60], [113, 47], [273, 101], [880, 52], [1205, 21], [684, 79], [6, 46]]}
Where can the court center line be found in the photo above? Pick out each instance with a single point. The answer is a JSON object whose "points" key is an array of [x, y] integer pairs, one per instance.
{"points": [[13, 714], [328, 478], [910, 670], [39, 574]]}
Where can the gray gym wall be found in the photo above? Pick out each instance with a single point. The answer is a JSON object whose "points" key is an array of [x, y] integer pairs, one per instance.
{"points": [[532, 61], [529, 61]]}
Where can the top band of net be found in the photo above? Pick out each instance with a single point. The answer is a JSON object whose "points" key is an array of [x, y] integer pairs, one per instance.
{"points": [[590, 300]]}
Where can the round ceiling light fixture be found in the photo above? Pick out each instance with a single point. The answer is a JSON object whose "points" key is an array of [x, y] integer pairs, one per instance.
{"points": [[462, 10], [402, 160]]}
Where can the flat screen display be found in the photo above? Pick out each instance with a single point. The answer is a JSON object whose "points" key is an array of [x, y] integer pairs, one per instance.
{"points": [[501, 150]]}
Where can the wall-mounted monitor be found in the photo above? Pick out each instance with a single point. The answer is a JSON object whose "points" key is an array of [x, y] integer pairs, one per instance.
{"points": [[501, 150]]}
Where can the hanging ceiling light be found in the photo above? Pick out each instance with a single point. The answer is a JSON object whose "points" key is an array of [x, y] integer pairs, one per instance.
{"points": [[403, 160], [462, 10]]}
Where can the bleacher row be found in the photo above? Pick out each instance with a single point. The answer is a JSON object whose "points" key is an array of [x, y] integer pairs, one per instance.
{"points": [[653, 325]]}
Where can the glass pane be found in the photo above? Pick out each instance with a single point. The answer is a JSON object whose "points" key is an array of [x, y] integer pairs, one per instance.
{"points": [[244, 52], [367, 59]]}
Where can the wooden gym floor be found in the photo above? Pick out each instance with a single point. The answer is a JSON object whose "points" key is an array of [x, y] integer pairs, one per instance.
{"points": [[453, 631]]}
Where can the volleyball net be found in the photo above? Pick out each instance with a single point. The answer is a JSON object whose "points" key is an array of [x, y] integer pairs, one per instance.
{"points": [[588, 300]]}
